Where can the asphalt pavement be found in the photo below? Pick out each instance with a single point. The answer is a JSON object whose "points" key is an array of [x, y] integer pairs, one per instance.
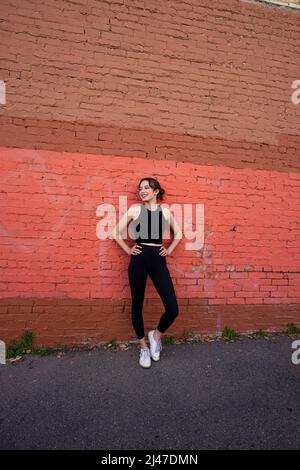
{"points": [[243, 394]]}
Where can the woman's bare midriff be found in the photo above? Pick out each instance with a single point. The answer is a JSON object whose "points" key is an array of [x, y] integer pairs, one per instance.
{"points": [[150, 244]]}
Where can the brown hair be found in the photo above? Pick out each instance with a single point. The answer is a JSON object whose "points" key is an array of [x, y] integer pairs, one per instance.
{"points": [[154, 184]]}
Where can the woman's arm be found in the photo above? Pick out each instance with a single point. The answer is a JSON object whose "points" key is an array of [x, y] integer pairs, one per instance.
{"points": [[177, 232], [121, 225]]}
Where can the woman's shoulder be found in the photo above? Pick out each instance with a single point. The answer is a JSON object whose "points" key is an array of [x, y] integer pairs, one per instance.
{"points": [[166, 212]]}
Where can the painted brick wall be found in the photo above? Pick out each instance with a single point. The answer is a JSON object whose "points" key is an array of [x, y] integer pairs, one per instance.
{"points": [[100, 93]]}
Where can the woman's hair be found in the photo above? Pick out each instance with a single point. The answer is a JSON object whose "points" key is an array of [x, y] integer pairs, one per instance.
{"points": [[154, 184]]}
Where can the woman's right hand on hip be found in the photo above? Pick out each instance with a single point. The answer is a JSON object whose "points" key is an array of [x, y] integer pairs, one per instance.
{"points": [[135, 250]]}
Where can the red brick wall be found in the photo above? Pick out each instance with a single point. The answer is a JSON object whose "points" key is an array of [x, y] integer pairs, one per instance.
{"points": [[100, 93]]}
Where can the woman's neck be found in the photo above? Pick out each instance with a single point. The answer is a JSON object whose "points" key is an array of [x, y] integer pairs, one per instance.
{"points": [[152, 206]]}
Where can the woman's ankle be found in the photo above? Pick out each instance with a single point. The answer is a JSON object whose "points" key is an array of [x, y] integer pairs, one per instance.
{"points": [[143, 343], [157, 334]]}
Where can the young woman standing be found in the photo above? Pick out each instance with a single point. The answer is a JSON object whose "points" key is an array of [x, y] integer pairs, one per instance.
{"points": [[148, 257]]}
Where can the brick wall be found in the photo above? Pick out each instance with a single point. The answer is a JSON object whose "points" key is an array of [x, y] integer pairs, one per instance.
{"points": [[100, 93]]}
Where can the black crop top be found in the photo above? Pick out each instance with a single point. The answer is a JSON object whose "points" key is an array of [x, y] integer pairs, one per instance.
{"points": [[149, 226]]}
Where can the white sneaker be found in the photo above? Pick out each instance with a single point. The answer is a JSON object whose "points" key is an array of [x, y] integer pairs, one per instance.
{"points": [[145, 359], [155, 346]]}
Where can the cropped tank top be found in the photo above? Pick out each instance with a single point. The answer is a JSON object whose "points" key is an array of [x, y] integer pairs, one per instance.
{"points": [[149, 226]]}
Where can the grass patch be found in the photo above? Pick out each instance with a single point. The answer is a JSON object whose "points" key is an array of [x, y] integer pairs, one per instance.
{"points": [[168, 339], [18, 348], [229, 334], [25, 346], [292, 329]]}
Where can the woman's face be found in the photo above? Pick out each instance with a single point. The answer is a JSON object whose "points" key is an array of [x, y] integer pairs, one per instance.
{"points": [[146, 192]]}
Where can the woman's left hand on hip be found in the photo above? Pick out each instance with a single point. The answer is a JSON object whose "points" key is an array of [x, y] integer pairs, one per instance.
{"points": [[164, 251]]}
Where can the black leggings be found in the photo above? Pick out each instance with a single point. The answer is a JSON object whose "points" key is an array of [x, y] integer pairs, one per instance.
{"points": [[149, 261]]}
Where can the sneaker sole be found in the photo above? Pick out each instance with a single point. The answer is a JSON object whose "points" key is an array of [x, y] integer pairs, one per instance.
{"points": [[155, 359]]}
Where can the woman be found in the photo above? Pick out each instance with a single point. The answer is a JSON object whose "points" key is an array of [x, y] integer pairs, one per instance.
{"points": [[148, 257]]}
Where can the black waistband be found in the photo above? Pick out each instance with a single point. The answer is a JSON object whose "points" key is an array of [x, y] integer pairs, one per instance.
{"points": [[149, 246]]}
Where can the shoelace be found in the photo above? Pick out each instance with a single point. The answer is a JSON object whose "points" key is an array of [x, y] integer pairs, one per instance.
{"points": [[145, 352], [158, 345]]}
